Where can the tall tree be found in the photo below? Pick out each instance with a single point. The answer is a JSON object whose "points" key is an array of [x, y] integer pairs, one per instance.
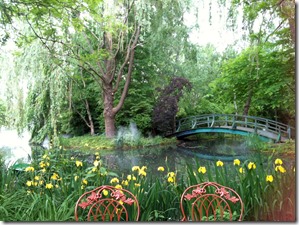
{"points": [[98, 36], [269, 80]]}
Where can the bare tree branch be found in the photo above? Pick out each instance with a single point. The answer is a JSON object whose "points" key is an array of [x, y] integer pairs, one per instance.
{"points": [[130, 70]]}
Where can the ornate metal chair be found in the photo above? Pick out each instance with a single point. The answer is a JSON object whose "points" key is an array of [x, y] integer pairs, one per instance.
{"points": [[210, 201], [107, 203]]}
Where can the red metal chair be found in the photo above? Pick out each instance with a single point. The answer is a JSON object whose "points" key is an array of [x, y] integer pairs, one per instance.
{"points": [[210, 201], [107, 203]]}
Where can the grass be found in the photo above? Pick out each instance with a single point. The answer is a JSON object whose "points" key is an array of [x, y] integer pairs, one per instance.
{"points": [[88, 142]]}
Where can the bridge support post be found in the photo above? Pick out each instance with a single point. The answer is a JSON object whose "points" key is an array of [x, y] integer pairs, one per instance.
{"points": [[289, 132], [255, 126], [234, 123], [278, 138]]}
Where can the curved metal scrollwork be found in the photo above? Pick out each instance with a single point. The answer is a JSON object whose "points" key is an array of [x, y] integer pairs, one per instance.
{"points": [[210, 201], [107, 203]]}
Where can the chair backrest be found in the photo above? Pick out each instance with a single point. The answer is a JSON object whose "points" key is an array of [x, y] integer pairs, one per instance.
{"points": [[107, 203], [210, 201]]}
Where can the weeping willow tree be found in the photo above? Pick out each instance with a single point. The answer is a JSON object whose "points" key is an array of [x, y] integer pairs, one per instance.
{"points": [[2, 114], [99, 37], [98, 40], [11, 90], [45, 92]]}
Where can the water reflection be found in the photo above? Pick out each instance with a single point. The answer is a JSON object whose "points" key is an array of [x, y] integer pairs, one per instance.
{"points": [[174, 158], [226, 149], [14, 148]]}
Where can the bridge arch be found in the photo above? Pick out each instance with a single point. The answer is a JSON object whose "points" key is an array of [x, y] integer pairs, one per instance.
{"points": [[234, 124]]}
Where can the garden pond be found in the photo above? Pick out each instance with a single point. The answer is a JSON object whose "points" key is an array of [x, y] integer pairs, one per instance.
{"points": [[16, 150]]}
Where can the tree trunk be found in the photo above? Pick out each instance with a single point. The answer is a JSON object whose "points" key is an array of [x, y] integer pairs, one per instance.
{"points": [[110, 127], [248, 102], [287, 8], [109, 114], [235, 104], [90, 121], [111, 85]]}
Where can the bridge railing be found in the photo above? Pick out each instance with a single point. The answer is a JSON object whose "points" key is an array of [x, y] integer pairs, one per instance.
{"points": [[234, 121]]}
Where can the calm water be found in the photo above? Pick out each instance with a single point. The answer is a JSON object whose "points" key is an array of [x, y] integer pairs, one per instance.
{"points": [[14, 148], [17, 150]]}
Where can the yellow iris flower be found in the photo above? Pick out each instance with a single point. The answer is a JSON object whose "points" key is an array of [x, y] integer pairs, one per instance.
{"points": [[219, 163], [84, 181], [251, 165], [79, 163], [96, 163], [170, 179], [171, 174], [105, 192], [278, 161], [134, 168], [202, 169], [29, 183], [161, 168], [29, 169], [237, 162], [49, 186], [118, 186], [142, 173], [114, 180], [269, 178], [241, 170], [55, 176], [280, 169], [125, 183]]}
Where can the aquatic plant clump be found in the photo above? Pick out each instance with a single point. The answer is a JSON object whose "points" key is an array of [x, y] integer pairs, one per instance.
{"points": [[54, 180]]}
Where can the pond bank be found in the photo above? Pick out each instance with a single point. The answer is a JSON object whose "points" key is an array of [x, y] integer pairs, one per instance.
{"points": [[96, 143], [100, 142]]}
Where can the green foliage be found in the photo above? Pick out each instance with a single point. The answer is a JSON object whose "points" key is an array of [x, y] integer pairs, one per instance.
{"points": [[256, 14], [254, 142], [84, 105], [69, 75], [3, 120], [219, 217], [88, 142], [101, 142], [203, 66], [267, 72], [141, 88], [48, 189], [164, 51]]}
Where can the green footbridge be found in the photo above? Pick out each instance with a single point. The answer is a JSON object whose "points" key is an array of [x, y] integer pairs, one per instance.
{"points": [[234, 124]]}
